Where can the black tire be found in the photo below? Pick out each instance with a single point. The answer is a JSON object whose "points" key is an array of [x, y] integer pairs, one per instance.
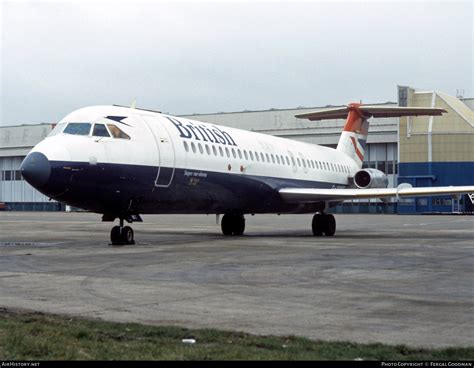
{"points": [[127, 235], [239, 225], [329, 225], [226, 225], [115, 237], [233, 224], [317, 225]]}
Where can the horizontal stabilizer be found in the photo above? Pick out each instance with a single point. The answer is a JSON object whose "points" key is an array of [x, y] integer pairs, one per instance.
{"points": [[315, 195], [368, 111]]}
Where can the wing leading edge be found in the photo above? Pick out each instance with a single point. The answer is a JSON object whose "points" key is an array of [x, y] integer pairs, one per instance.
{"points": [[315, 195]]}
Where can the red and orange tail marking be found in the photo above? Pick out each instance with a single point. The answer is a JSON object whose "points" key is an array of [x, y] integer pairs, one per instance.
{"points": [[355, 120]]}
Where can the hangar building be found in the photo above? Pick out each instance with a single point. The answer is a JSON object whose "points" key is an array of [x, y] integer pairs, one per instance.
{"points": [[423, 151]]}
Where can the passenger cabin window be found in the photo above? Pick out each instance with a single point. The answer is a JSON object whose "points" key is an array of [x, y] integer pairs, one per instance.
{"points": [[78, 128], [117, 132], [100, 131]]}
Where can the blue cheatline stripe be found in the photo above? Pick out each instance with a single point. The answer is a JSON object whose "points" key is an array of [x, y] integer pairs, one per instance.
{"points": [[117, 188]]}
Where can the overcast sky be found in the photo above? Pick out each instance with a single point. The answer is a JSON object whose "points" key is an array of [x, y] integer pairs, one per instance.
{"points": [[206, 56]]}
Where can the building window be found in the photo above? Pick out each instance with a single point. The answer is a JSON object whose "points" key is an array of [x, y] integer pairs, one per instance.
{"points": [[381, 166], [402, 96], [390, 167]]}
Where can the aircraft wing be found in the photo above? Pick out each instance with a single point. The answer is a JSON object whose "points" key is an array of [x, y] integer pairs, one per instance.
{"points": [[316, 195]]}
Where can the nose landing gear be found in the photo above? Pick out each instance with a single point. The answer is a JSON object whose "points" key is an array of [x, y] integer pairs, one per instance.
{"points": [[323, 224], [122, 235]]}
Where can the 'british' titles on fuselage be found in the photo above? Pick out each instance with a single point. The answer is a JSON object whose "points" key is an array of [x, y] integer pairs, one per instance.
{"points": [[202, 132]]}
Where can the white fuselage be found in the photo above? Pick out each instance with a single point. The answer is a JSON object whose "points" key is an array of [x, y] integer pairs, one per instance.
{"points": [[176, 158]]}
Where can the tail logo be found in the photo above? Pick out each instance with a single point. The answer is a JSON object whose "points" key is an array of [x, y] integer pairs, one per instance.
{"points": [[356, 148]]}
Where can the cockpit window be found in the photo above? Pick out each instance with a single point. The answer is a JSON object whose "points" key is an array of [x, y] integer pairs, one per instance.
{"points": [[117, 132], [100, 131], [78, 128], [57, 129]]}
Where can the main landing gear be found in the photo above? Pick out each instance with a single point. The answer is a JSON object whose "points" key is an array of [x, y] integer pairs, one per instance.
{"points": [[323, 224], [122, 235], [233, 224]]}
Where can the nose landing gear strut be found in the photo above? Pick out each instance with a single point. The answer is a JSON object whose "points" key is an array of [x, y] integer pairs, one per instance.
{"points": [[122, 235]]}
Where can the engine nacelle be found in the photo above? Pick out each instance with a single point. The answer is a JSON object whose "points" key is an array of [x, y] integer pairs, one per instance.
{"points": [[370, 178]]}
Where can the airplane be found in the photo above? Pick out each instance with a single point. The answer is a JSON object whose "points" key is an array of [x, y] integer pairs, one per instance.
{"points": [[125, 162]]}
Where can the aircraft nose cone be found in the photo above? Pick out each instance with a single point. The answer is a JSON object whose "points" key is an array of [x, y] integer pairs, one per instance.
{"points": [[36, 169]]}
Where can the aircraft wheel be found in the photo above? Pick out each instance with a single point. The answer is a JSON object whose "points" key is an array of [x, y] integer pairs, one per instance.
{"points": [[318, 224], [239, 227], [115, 237], [233, 224], [127, 235], [226, 225], [329, 225]]}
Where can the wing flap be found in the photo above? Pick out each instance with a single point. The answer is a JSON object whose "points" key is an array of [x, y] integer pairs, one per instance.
{"points": [[315, 195]]}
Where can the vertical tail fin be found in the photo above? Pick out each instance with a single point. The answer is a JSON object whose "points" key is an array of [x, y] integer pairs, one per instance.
{"points": [[354, 135]]}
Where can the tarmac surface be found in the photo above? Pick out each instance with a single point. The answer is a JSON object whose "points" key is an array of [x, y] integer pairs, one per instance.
{"points": [[382, 278]]}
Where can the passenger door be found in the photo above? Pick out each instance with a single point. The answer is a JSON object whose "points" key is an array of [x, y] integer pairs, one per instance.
{"points": [[165, 150]]}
